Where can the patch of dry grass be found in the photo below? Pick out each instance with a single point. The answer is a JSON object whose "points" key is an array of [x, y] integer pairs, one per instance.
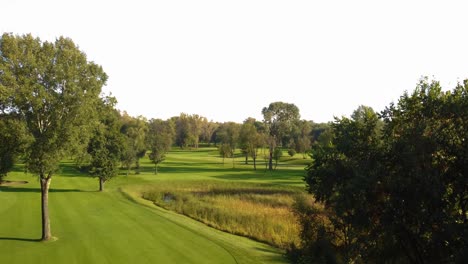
{"points": [[259, 211]]}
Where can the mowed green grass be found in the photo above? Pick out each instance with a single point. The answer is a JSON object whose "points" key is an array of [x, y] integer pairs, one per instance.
{"points": [[118, 226]]}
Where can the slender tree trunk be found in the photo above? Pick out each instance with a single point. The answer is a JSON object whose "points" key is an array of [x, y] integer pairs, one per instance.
{"points": [[156, 169], [254, 161], [246, 158], [137, 165], [270, 158], [101, 184], [45, 183]]}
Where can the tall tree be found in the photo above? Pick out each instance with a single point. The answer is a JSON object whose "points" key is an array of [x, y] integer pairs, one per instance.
{"points": [[344, 175], [188, 130], [55, 90], [250, 140], [183, 130], [135, 129], [207, 130], [279, 119], [427, 210], [159, 140], [302, 141], [107, 143], [228, 135], [396, 192]]}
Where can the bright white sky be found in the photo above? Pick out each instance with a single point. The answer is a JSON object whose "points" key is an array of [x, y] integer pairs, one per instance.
{"points": [[226, 60]]}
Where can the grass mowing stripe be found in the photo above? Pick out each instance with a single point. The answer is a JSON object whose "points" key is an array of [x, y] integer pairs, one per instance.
{"points": [[97, 227]]}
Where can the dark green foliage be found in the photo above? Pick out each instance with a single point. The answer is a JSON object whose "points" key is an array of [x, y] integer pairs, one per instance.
{"points": [[13, 140], [316, 235], [189, 130], [426, 173], [228, 135], [279, 119], [134, 129], [250, 140], [277, 154], [107, 143], [159, 140], [300, 138], [395, 191]]}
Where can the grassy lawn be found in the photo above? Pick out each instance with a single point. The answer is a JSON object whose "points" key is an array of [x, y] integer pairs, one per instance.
{"points": [[118, 226]]}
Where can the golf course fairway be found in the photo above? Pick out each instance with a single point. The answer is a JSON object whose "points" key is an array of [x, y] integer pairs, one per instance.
{"points": [[114, 226]]}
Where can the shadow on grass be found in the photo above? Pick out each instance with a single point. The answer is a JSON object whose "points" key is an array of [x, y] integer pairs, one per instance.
{"points": [[68, 169], [276, 257], [37, 190], [283, 176], [20, 239]]}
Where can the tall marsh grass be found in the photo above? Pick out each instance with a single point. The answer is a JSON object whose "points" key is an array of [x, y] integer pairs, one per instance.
{"points": [[259, 211]]}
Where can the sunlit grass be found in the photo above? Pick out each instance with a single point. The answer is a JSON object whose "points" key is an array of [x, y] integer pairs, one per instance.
{"points": [[259, 211]]}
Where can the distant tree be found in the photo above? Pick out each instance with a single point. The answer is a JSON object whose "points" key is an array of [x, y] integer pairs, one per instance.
{"points": [[55, 91], [317, 129], [107, 143], [225, 151], [188, 130], [207, 130], [250, 140], [279, 119], [159, 140], [277, 154], [303, 140], [135, 129], [195, 130], [228, 135], [13, 141]]}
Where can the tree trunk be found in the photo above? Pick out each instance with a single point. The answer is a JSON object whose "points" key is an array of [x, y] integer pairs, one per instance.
{"points": [[246, 158], [101, 184], [137, 166], [45, 183], [156, 169], [270, 158], [255, 164]]}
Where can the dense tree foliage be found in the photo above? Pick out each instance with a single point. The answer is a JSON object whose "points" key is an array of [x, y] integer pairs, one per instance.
{"points": [[13, 140], [107, 143], [301, 140], [250, 140], [54, 89], [228, 136], [394, 186], [134, 129], [189, 129], [279, 119], [159, 140]]}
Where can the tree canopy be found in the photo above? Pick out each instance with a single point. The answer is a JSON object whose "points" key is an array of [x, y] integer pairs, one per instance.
{"points": [[394, 184], [279, 119], [55, 89]]}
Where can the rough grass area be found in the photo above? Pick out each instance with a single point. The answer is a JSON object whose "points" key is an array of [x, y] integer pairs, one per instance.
{"points": [[259, 211]]}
